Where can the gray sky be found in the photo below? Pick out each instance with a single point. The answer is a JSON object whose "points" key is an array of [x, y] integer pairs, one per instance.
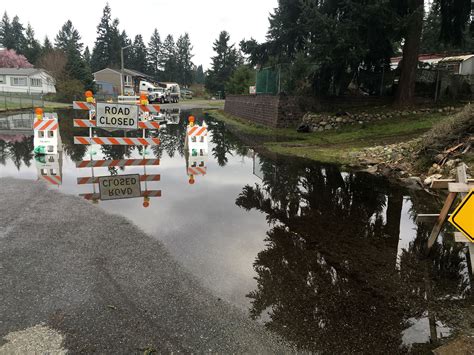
{"points": [[202, 19]]}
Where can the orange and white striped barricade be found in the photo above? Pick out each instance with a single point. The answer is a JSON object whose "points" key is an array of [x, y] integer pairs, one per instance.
{"points": [[116, 163], [95, 180], [49, 168], [96, 196], [116, 117], [197, 149], [116, 141], [46, 134], [117, 187]]}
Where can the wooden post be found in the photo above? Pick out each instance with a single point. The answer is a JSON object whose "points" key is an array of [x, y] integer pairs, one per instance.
{"points": [[441, 218]]}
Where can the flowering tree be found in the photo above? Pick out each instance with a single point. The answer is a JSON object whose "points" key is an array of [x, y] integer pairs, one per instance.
{"points": [[10, 59]]}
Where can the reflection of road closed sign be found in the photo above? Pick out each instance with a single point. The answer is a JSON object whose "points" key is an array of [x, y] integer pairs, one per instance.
{"points": [[119, 187], [463, 216], [117, 116]]}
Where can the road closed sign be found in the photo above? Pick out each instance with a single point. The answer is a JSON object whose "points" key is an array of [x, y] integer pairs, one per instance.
{"points": [[119, 187], [117, 116]]}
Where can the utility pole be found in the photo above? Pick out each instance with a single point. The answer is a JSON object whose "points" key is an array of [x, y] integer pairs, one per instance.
{"points": [[122, 68]]}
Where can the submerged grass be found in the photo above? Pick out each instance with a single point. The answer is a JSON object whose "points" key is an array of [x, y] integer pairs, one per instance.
{"points": [[334, 146]]}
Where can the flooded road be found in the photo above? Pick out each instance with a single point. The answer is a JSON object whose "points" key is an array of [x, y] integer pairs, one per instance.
{"points": [[329, 260]]}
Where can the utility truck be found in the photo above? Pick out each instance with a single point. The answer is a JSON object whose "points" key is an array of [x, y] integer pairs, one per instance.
{"points": [[155, 93]]}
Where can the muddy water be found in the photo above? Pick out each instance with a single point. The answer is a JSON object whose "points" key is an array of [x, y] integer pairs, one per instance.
{"points": [[330, 260]]}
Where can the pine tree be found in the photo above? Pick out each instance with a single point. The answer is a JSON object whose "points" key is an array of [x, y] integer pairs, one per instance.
{"points": [[87, 56], [125, 41], [106, 52], [33, 48], [183, 60], [47, 45], [5, 32], [139, 55], [69, 41], [169, 59], [155, 54], [223, 65], [18, 36], [199, 76]]}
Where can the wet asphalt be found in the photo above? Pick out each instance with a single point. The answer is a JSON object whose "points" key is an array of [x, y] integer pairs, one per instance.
{"points": [[106, 286]]}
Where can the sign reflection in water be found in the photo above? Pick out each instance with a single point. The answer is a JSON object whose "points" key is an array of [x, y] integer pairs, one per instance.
{"points": [[342, 269]]}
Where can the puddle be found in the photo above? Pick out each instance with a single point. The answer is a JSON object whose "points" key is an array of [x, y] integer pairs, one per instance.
{"points": [[328, 259]]}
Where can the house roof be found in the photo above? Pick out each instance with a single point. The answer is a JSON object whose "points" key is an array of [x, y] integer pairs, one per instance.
{"points": [[19, 71], [458, 58]]}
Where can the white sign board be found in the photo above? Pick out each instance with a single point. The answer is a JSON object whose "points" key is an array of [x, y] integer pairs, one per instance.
{"points": [[117, 116], [119, 187], [252, 90]]}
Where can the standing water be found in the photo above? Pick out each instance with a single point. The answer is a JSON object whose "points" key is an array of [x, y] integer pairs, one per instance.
{"points": [[328, 259]]}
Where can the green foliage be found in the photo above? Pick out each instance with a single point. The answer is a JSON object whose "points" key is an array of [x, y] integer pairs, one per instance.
{"points": [[68, 40], [154, 54], [106, 52], [240, 81], [224, 63], [138, 55], [199, 76], [12, 34], [32, 49], [184, 60], [432, 41], [169, 59], [69, 90]]}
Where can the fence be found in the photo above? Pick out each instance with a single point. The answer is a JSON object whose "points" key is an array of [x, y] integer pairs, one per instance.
{"points": [[19, 101]]}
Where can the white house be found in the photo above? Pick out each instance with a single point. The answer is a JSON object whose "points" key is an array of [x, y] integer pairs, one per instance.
{"points": [[26, 80]]}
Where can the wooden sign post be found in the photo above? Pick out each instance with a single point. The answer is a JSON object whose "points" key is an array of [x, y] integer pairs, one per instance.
{"points": [[461, 185]]}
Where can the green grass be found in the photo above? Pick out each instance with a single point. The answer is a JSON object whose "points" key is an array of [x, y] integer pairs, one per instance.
{"points": [[27, 105], [334, 146]]}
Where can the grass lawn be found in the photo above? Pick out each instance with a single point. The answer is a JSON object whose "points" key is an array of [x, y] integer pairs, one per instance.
{"points": [[334, 146]]}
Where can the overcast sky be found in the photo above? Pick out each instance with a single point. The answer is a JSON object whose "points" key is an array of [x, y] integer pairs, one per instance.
{"points": [[202, 19]]}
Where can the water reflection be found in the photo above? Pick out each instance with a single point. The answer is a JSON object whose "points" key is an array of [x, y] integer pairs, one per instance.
{"points": [[327, 278], [342, 267]]}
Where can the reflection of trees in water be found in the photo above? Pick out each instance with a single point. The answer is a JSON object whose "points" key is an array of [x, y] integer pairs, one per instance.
{"points": [[66, 128], [327, 277], [19, 152]]}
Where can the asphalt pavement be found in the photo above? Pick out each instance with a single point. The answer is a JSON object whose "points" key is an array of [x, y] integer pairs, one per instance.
{"points": [[71, 271]]}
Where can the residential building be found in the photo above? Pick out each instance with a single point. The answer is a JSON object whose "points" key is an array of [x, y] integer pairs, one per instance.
{"points": [[26, 80], [109, 81]]}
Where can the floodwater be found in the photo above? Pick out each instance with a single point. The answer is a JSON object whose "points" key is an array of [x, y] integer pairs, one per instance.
{"points": [[328, 259]]}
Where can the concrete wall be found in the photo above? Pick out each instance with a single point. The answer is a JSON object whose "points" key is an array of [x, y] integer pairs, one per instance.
{"points": [[262, 109]]}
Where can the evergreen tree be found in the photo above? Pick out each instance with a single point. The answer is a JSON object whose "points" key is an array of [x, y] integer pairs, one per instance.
{"points": [[240, 81], [169, 59], [223, 65], [155, 53], [47, 45], [125, 41], [199, 76], [139, 55], [106, 52], [455, 16], [68, 40], [33, 48], [5, 32], [87, 56], [18, 36], [183, 60]]}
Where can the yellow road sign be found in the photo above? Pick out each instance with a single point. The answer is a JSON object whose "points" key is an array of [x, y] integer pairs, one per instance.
{"points": [[463, 216]]}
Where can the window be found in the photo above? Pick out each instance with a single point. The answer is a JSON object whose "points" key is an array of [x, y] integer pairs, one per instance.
{"points": [[2, 79], [50, 134], [50, 149], [40, 134], [44, 172], [18, 81], [36, 82], [52, 172], [127, 80]]}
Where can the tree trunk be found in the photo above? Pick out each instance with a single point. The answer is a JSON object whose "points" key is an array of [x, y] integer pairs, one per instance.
{"points": [[406, 85]]}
